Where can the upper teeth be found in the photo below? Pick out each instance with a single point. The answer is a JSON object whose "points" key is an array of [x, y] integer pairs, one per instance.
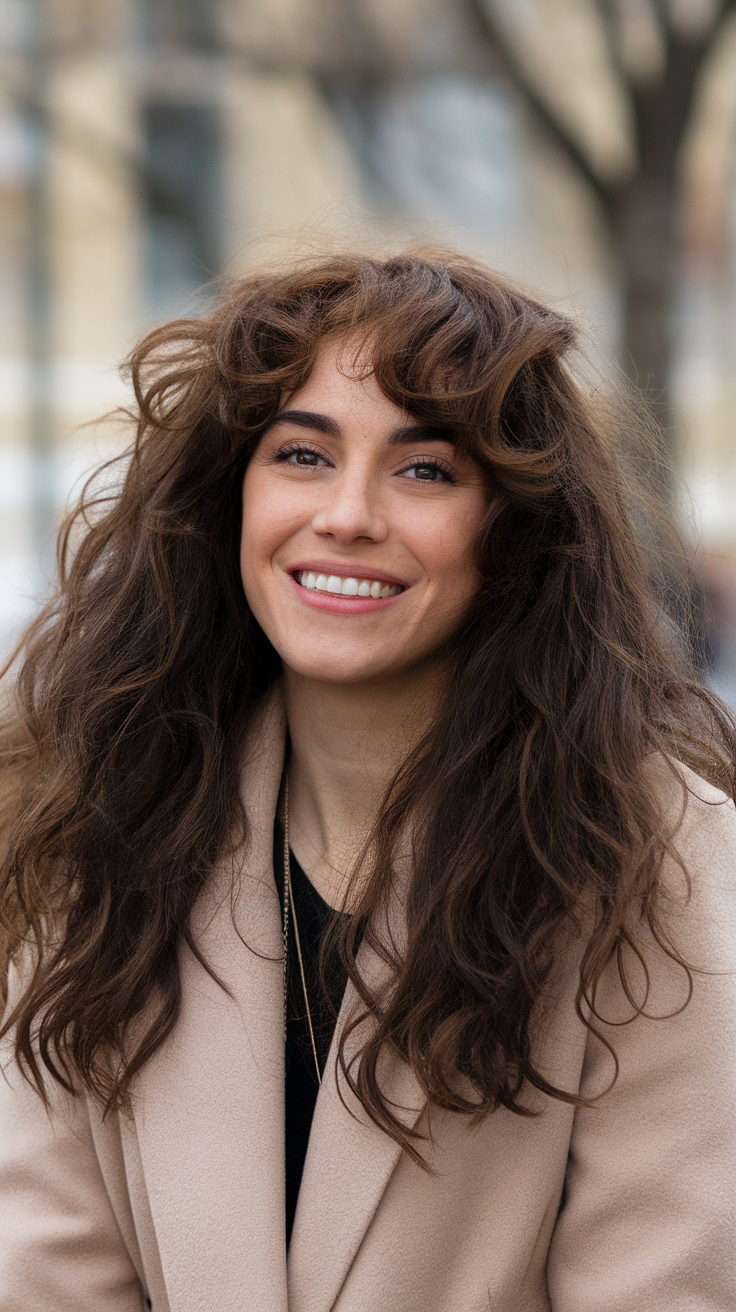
{"points": [[347, 587]]}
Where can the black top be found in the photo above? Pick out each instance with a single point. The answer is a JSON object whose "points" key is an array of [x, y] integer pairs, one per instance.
{"points": [[313, 916]]}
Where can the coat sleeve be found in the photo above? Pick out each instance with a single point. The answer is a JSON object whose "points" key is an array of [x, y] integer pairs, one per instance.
{"points": [[60, 1246], [648, 1221]]}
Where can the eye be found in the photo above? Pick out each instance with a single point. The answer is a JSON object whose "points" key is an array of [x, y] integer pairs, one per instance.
{"points": [[304, 457], [428, 471]]}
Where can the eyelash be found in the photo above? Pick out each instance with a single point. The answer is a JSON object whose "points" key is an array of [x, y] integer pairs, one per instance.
{"points": [[293, 448]]}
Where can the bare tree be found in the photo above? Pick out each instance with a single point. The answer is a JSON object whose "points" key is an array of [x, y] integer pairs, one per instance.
{"points": [[657, 51]]}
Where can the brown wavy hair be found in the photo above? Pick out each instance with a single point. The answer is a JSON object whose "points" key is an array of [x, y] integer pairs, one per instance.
{"points": [[531, 796]]}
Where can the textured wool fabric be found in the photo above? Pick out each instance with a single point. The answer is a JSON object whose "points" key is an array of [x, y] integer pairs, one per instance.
{"points": [[629, 1206]]}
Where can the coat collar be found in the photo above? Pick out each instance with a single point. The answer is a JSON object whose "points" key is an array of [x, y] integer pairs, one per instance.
{"points": [[209, 1106], [349, 1164]]}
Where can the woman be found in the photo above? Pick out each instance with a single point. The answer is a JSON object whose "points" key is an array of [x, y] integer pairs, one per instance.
{"points": [[430, 758]]}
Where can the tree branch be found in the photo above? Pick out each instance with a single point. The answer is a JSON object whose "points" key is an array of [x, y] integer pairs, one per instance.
{"points": [[518, 75], [728, 8]]}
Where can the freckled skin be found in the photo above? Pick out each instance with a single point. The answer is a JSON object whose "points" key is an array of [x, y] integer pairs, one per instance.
{"points": [[353, 498]]}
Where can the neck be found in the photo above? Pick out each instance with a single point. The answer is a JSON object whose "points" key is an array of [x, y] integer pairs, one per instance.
{"points": [[347, 742]]}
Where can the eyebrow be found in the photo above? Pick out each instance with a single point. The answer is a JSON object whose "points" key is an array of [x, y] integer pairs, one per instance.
{"points": [[403, 436]]}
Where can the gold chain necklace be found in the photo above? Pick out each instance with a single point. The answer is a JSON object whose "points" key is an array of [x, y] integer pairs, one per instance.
{"points": [[290, 907]]}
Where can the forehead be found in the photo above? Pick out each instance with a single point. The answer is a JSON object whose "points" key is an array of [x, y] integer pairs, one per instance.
{"points": [[346, 408], [343, 372], [342, 392]]}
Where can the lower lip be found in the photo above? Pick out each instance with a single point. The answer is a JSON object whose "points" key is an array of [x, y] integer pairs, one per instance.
{"points": [[337, 605]]}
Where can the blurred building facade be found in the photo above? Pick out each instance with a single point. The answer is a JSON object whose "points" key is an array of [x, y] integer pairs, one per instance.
{"points": [[148, 145]]}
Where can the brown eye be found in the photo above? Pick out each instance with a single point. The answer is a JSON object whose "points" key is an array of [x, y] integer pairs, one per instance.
{"points": [[426, 471], [299, 455]]}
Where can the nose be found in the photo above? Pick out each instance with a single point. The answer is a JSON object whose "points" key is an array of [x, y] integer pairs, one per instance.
{"points": [[351, 510]]}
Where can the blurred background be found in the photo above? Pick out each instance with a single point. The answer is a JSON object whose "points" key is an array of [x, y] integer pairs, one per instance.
{"points": [[585, 147]]}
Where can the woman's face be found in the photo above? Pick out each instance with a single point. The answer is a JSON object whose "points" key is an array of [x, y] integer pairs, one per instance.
{"points": [[358, 530]]}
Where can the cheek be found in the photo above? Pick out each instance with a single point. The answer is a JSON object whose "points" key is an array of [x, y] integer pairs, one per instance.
{"points": [[271, 517], [266, 519], [447, 545], [257, 531]]}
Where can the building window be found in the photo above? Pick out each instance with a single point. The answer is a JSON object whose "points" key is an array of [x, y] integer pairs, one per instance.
{"points": [[183, 213], [181, 24]]}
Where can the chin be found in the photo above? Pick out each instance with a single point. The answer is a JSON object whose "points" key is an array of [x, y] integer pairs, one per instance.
{"points": [[328, 667], [323, 672]]}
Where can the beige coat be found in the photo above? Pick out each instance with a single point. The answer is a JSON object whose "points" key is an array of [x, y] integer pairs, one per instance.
{"points": [[629, 1207]]}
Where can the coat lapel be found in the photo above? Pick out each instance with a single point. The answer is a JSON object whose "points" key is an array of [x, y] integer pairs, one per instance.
{"points": [[209, 1106], [349, 1164]]}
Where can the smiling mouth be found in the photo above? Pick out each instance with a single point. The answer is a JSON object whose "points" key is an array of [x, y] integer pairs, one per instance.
{"points": [[346, 587]]}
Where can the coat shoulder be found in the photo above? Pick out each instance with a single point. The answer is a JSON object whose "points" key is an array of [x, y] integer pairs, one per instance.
{"points": [[698, 877]]}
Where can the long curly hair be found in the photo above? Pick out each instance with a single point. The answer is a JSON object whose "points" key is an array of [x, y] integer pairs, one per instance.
{"points": [[532, 795]]}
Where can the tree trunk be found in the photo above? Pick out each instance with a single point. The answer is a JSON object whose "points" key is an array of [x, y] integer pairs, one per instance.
{"points": [[641, 211], [642, 230], [643, 216]]}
